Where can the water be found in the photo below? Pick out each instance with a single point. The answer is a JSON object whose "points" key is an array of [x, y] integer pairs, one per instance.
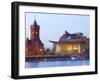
{"points": [[40, 64]]}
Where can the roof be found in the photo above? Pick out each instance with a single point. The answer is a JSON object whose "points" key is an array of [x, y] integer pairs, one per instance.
{"points": [[35, 23], [67, 41], [70, 38]]}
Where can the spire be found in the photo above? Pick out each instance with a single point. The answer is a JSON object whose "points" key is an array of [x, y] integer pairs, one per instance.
{"points": [[35, 23]]}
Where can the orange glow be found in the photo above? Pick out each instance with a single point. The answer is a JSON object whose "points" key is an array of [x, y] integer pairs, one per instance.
{"points": [[32, 32], [40, 49], [69, 48]]}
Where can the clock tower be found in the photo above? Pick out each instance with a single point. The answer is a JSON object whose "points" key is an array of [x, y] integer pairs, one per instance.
{"points": [[35, 31], [34, 46]]}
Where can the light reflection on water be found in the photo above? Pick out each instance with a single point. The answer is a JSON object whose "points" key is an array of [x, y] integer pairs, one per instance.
{"points": [[56, 63]]}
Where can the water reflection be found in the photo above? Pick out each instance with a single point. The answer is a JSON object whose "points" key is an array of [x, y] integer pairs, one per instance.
{"points": [[39, 64]]}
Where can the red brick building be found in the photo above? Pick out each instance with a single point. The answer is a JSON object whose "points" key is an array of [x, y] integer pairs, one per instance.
{"points": [[34, 46]]}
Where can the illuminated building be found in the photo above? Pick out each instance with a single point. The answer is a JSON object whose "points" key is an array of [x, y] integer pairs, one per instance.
{"points": [[69, 44], [34, 46]]}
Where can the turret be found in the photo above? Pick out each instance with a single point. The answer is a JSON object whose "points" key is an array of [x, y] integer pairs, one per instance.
{"points": [[34, 31]]}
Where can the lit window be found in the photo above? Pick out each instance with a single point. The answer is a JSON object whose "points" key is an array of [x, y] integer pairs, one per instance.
{"points": [[83, 49], [40, 49], [32, 32], [36, 32], [58, 48], [69, 48], [76, 47]]}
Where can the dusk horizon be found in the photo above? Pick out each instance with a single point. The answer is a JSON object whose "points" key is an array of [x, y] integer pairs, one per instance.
{"points": [[49, 24]]}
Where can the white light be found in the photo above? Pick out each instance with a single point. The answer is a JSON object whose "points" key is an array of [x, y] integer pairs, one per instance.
{"points": [[73, 58]]}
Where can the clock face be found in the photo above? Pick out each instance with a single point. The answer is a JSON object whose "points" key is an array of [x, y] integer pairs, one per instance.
{"points": [[32, 33], [36, 32]]}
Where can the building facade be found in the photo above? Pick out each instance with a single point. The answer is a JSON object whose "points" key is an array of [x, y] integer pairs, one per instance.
{"points": [[34, 46], [71, 44]]}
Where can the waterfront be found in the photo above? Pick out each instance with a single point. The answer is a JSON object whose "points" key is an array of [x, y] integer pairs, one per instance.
{"points": [[40, 64]]}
